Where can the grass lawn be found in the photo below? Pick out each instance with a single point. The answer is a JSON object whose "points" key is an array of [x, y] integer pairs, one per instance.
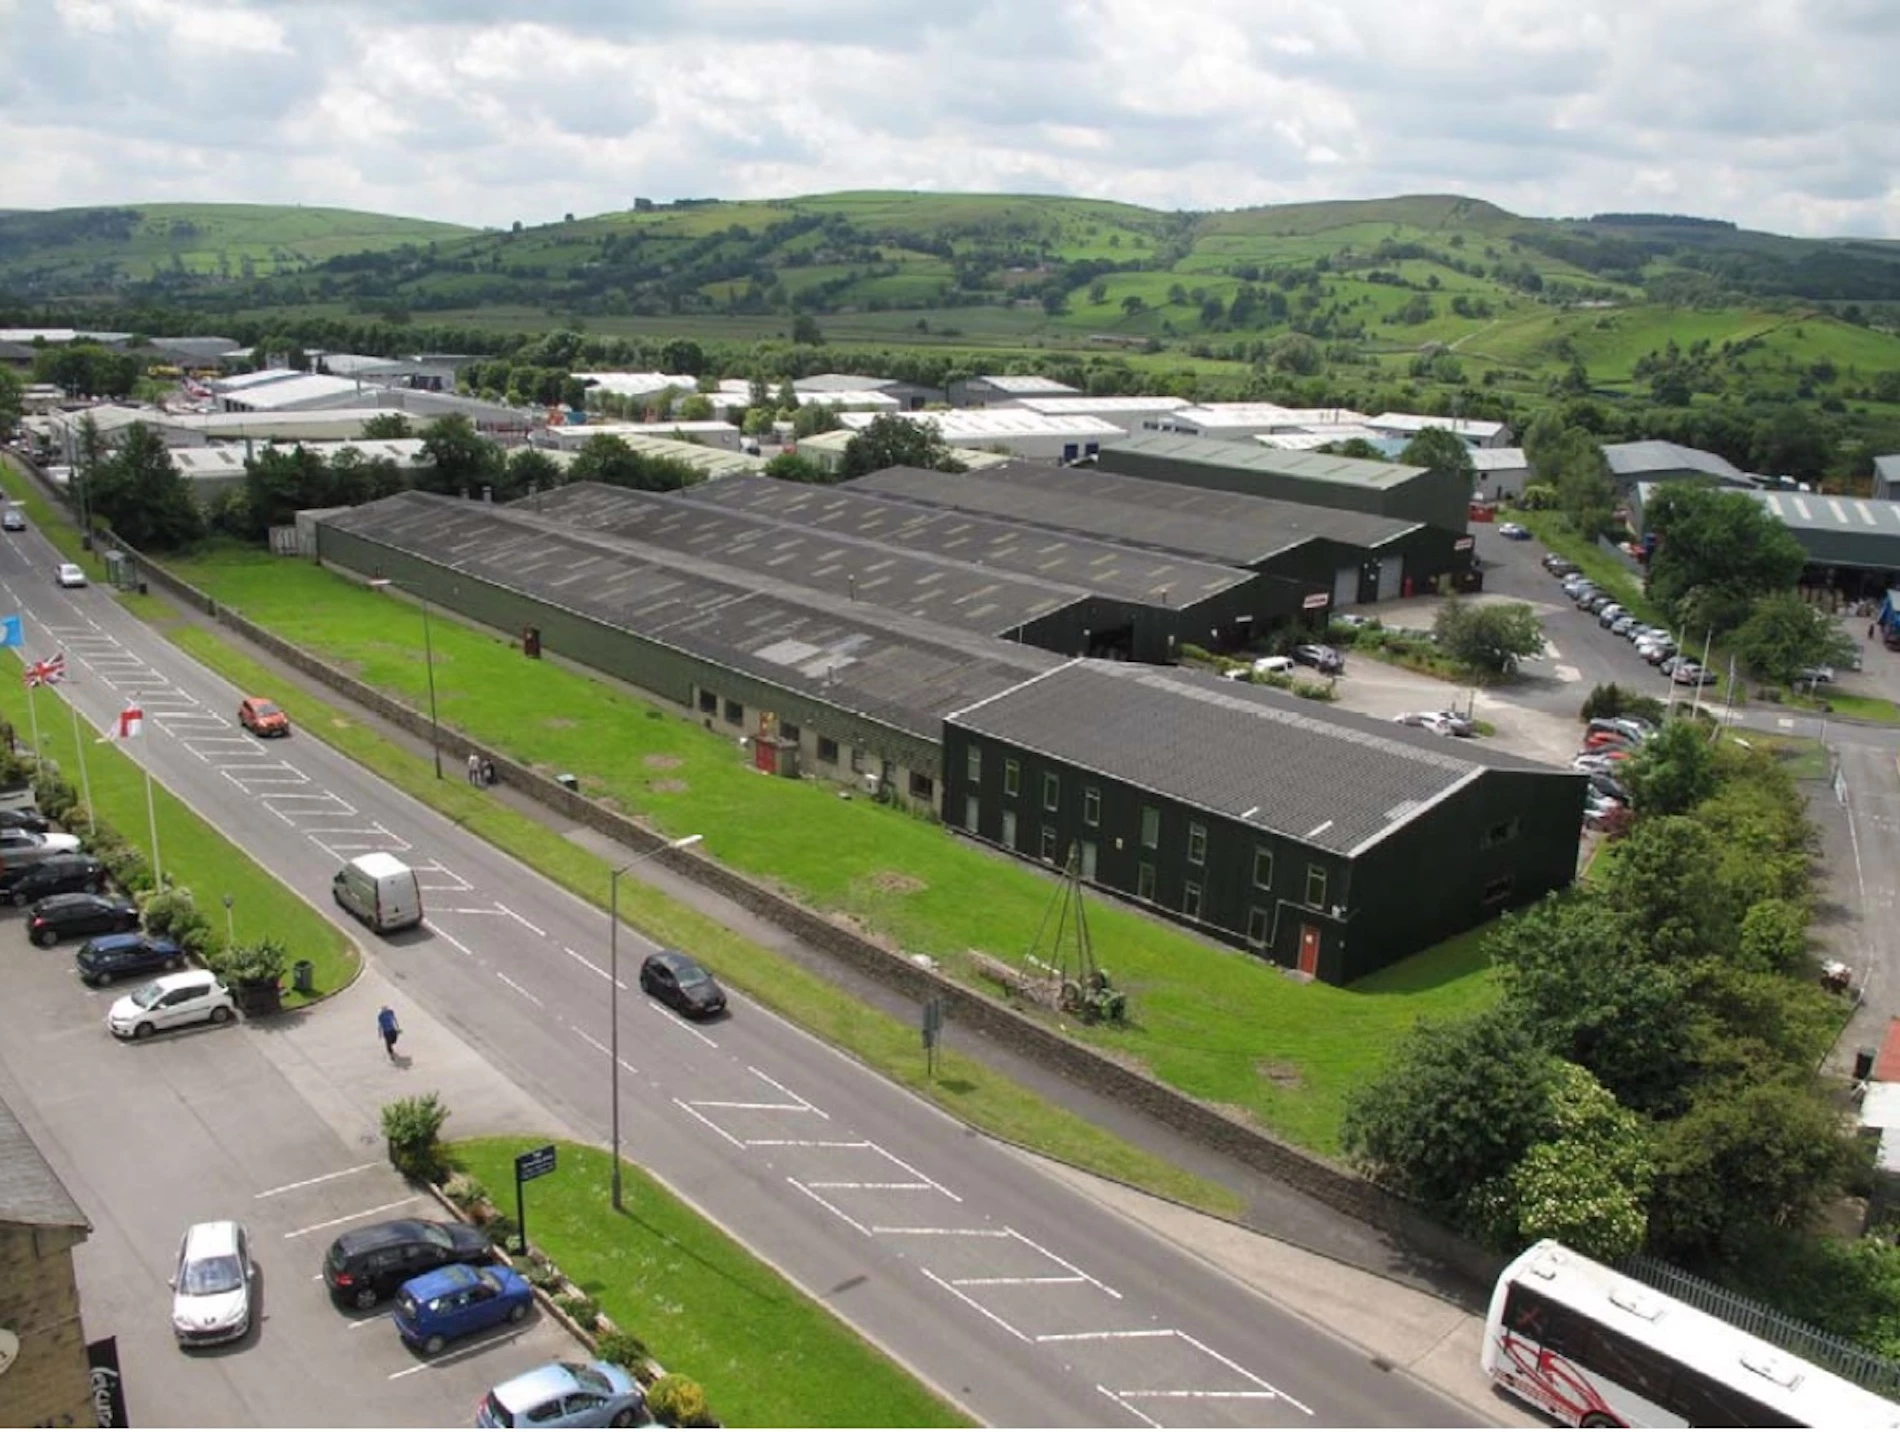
{"points": [[192, 851], [1875, 709], [1802, 757], [767, 1355], [1209, 1020]]}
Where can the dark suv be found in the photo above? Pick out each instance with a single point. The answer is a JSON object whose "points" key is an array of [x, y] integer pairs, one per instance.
{"points": [[371, 1263], [111, 957], [57, 916], [57, 875]]}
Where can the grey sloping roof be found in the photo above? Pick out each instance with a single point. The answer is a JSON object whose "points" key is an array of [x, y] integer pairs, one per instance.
{"points": [[1329, 779], [1222, 527], [1125, 572], [1651, 455], [959, 594], [1887, 468], [1820, 512], [1499, 459], [30, 1192], [200, 349], [889, 667], [1248, 457]]}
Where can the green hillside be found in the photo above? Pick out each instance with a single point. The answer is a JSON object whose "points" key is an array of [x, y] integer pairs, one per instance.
{"points": [[61, 254]]}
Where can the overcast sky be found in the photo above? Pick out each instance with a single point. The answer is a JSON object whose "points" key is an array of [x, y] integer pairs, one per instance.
{"points": [[1778, 114]]}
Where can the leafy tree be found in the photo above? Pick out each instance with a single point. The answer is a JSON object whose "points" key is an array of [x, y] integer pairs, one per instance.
{"points": [[1355, 447], [758, 421], [460, 459], [891, 441], [1455, 1109], [1444, 452], [142, 495], [1762, 1153], [1488, 639], [606, 458], [1673, 772], [1759, 824], [1667, 882], [787, 399], [696, 409], [281, 482], [1580, 976], [682, 355], [355, 478], [531, 470], [388, 426], [1784, 634], [1721, 542], [790, 467], [814, 418], [805, 331], [1574, 465], [1586, 1185], [11, 394], [1295, 353]]}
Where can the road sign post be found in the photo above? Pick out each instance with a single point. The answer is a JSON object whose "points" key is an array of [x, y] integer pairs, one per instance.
{"points": [[531, 1165]]}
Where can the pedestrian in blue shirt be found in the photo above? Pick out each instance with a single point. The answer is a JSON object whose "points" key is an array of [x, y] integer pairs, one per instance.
{"points": [[391, 1031]]}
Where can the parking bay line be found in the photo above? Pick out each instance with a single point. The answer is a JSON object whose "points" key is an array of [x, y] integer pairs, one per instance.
{"points": [[320, 1178], [352, 1217], [457, 1355], [534, 999]]}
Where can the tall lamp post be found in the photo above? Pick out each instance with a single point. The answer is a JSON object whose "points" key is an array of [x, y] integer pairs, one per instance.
{"points": [[428, 664], [613, 988]]}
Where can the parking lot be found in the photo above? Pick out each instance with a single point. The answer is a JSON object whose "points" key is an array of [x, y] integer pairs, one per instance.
{"points": [[199, 1125]]}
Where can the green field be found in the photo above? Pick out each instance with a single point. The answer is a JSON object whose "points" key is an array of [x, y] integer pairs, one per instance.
{"points": [[191, 851], [1208, 1019], [767, 1354]]}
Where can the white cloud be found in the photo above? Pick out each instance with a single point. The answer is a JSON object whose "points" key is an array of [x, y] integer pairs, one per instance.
{"points": [[1775, 113]]}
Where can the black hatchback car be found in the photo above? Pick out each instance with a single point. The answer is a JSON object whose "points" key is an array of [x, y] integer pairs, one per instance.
{"points": [[58, 916], [371, 1263], [678, 979], [57, 875], [110, 957], [24, 820]]}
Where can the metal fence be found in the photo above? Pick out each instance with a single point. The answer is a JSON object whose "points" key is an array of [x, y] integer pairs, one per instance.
{"points": [[1804, 1340]]}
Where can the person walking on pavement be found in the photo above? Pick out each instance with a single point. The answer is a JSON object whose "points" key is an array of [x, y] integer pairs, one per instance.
{"points": [[391, 1031], [474, 769]]}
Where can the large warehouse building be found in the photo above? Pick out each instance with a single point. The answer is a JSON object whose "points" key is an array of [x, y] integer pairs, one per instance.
{"points": [[1349, 557], [1331, 843], [1067, 595], [1387, 489]]}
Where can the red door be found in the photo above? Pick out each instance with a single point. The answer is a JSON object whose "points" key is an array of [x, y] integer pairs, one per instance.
{"points": [[1309, 949]]}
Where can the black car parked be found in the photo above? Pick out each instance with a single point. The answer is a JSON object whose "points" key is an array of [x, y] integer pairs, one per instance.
{"points": [[58, 916], [371, 1263], [109, 957], [678, 979], [24, 820], [57, 875]]}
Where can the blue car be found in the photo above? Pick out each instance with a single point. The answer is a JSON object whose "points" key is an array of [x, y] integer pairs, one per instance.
{"points": [[437, 1308]]}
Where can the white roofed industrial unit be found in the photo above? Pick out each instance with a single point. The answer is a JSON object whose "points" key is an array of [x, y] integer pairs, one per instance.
{"points": [[238, 382], [640, 385], [710, 432], [827, 450], [310, 426], [1122, 409], [1027, 385], [1015, 430], [713, 461], [306, 390], [828, 383], [1247, 420], [1479, 432]]}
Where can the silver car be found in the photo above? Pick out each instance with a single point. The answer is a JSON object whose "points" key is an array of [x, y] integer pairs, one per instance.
{"points": [[211, 1291]]}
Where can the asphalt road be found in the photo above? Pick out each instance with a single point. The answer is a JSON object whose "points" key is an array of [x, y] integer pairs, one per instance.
{"points": [[197, 1125], [1025, 1301]]}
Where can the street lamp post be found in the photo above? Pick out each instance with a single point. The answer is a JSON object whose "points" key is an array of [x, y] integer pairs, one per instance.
{"points": [[428, 664], [613, 990]]}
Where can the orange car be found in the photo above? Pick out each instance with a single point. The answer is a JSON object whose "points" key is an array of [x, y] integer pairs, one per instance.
{"points": [[262, 718]]}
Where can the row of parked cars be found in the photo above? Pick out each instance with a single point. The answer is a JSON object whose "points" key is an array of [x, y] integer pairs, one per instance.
{"points": [[445, 1284], [1656, 645], [1609, 742]]}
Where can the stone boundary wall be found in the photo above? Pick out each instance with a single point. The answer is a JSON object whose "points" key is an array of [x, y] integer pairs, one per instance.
{"points": [[1317, 1177]]}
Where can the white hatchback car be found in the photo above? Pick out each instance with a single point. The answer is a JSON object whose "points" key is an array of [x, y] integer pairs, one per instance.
{"points": [[188, 997], [1273, 666], [71, 574], [211, 1291]]}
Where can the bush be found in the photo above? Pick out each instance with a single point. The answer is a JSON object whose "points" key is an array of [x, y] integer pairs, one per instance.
{"points": [[543, 1275], [55, 797], [679, 1402], [261, 963], [412, 1127], [1315, 690], [503, 1231], [466, 1190], [172, 914], [622, 1349], [129, 869], [1614, 700], [581, 1308]]}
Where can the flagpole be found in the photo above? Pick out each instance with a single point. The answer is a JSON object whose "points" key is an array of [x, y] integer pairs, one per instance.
{"points": [[85, 779], [151, 815], [33, 720]]}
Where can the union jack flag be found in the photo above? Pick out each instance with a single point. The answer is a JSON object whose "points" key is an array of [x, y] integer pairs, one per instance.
{"points": [[50, 672]]}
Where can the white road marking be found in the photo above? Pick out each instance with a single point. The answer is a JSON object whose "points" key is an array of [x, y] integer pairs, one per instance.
{"points": [[964, 1297], [320, 1178], [1229, 1363], [1024, 1283], [810, 1144], [942, 1232], [1107, 1335], [803, 1102], [456, 1355], [919, 1173], [1131, 1411], [831, 1208], [876, 1187], [511, 915], [519, 990], [601, 1047], [737, 1143], [435, 929], [1061, 1262], [352, 1217], [700, 1035], [592, 966]]}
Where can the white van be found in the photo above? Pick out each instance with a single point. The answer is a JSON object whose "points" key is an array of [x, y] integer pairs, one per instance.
{"points": [[380, 891]]}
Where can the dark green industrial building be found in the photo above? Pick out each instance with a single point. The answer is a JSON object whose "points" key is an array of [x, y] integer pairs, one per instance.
{"points": [[1349, 557], [1327, 842], [1314, 479]]}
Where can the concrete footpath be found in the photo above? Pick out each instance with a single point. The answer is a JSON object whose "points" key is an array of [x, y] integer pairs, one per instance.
{"points": [[1351, 1279]]}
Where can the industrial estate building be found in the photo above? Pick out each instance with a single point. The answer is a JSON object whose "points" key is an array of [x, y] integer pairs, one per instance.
{"points": [[49, 1383], [1012, 430], [1651, 460], [1388, 489], [1327, 842], [1343, 558]]}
